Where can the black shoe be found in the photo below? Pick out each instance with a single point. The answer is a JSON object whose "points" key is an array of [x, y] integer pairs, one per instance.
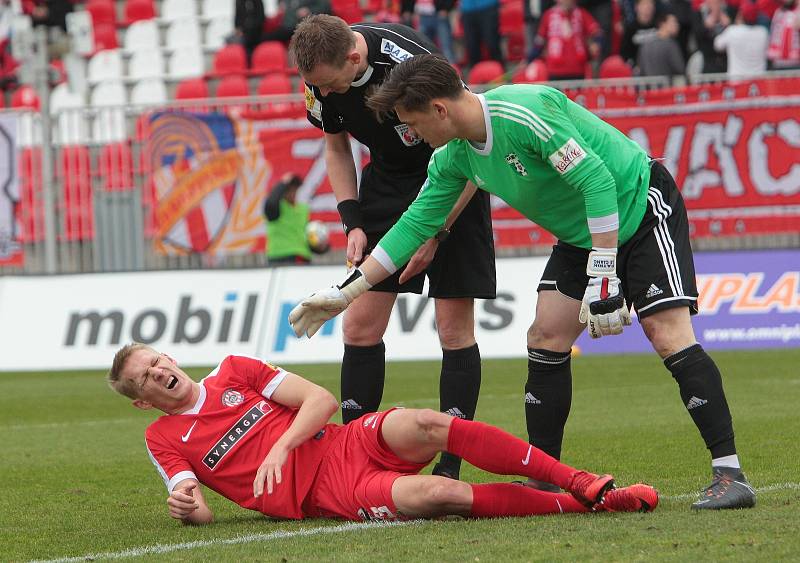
{"points": [[443, 470], [729, 489], [539, 485]]}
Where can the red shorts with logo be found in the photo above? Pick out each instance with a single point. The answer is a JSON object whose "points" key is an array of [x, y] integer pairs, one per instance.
{"points": [[355, 478]]}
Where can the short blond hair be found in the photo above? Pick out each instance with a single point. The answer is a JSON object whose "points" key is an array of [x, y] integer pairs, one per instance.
{"points": [[114, 377], [321, 39]]}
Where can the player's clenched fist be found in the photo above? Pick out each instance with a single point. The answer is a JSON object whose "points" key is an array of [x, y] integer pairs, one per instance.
{"points": [[307, 317], [181, 502], [604, 309]]}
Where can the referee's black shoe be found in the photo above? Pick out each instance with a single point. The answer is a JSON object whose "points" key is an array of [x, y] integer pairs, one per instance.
{"points": [[728, 489]]}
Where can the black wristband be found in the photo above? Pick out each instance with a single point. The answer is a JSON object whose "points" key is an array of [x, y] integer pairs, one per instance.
{"points": [[350, 212]]}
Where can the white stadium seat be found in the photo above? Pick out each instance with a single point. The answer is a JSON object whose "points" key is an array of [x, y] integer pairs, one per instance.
{"points": [[141, 35], [68, 106], [186, 62], [149, 92], [219, 8], [105, 65], [109, 122], [174, 10], [146, 64], [216, 32], [182, 33]]}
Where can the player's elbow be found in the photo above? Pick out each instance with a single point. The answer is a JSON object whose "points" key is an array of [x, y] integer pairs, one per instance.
{"points": [[328, 401]]}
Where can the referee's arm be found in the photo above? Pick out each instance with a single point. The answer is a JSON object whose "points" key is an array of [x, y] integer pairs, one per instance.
{"points": [[341, 167]]}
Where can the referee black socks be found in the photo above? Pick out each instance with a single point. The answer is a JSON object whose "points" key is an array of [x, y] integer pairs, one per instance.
{"points": [[459, 386], [548, 397], [700, 385], [363, 375]]}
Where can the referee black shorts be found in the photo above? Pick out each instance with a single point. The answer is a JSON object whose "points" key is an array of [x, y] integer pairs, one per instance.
{"points": [[655, 266], [464, 264]]}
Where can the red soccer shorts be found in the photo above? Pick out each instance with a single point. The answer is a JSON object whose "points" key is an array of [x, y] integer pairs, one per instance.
{"points": [[354, 480]]}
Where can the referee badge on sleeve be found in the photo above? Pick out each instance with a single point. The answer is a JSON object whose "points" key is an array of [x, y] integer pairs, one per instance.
{"points": [[313, 105]]}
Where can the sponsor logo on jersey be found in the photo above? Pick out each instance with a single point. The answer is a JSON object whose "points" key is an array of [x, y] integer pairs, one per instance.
{"points": [[313, 105], [514, 161], [234, 435], [395, 53], [231, 398], [409, 139], [567, 157]]}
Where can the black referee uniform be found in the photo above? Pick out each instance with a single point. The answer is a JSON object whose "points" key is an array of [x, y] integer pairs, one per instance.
{"points": [[464, 265]]}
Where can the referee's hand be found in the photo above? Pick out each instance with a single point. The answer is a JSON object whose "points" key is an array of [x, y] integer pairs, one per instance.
{"points": [[356, 243]]}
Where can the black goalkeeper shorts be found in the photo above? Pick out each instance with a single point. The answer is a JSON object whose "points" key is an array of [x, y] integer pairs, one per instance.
{"points": [[655, 266], [464, 264]]}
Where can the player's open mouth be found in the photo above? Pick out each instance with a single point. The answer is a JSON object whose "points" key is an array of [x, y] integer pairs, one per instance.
{"points": [[172, 382]]}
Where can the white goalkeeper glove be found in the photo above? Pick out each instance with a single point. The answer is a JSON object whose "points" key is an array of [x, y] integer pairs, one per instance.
{"points": [[604, 309], [307, 317]]}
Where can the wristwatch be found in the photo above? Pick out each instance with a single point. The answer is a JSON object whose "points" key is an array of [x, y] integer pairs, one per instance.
{"points": [[442, 235]]}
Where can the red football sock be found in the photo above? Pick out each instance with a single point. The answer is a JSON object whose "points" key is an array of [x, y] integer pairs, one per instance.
{"points": [[506, 499], [497, 451]]}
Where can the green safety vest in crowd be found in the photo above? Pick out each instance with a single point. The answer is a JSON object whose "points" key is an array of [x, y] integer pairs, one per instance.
{"points": [[286, 236]]}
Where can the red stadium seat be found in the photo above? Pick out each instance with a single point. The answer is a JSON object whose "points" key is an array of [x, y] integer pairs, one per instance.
{"points": [[76, 208], [102, 11], [615, 67], [512, 19], [485, 72], [233, 86], [105, 37], [31, 207], [191, 89], [269, 57], [230, 59], [349, 10], [137, 10], [25, 97], [536, 71], [275, 83], [116, 166]]}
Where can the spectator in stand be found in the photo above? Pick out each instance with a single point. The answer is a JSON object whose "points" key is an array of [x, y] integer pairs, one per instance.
{"points": [[434, 22], [52, 13], [642, 29], [286, 223], [533, 11], [661, 55], [603, 14], [481, 22], [293, 12], [683, 11], [784, 41], [569, 36], [745, 43], [249, 23], [708, 22]]}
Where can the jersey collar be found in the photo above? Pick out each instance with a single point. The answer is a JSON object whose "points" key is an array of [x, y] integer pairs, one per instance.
{"points": [[484, 149], [364, 77], [201, 399]]}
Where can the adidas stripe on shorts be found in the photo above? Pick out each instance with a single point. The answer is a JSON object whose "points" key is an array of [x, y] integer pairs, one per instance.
{"points": [[656, 265]]}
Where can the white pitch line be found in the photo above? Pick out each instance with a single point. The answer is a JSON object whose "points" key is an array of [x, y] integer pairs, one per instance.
{"points": [[46, 425], [250, 538], [283, 534], [765, 489]]}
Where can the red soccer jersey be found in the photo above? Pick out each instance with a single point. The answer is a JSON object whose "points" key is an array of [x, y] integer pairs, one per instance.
{"points": [[566, 35], [225, 437]]}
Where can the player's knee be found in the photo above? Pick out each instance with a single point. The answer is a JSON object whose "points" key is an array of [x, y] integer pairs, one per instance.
{"points": [[446, 492], [456, 337], [544, 337], [666, 334], [431, 423], [361, 333]]}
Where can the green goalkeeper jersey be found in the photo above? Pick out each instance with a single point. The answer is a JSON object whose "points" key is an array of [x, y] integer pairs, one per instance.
{"points": [[547, 157]]}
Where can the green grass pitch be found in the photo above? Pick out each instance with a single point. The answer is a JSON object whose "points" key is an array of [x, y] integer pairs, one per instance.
{"points": [[76, 480]]}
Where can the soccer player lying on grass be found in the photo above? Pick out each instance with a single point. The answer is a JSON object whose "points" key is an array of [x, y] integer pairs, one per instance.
{"points": [[260, 436], [622, 229]]}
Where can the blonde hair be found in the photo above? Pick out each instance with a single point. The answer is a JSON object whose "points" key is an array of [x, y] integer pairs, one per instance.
{"points": [[114, 377]]}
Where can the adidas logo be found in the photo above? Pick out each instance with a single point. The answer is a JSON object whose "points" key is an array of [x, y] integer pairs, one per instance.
{"points": [[351, 404], [653, 291], [694, 402], [529, 398], [455, 412]]}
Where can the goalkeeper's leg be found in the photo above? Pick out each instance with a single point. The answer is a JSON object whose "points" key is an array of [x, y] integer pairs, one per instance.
{"points": [[364, 364]]}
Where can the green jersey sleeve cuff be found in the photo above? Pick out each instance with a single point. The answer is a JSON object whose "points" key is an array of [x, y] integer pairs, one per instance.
{"points": [[384, 259], [604, 224]]}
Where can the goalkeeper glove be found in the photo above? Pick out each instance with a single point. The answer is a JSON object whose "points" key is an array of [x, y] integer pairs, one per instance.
{"points": [[307, 317], [603, 308]]}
